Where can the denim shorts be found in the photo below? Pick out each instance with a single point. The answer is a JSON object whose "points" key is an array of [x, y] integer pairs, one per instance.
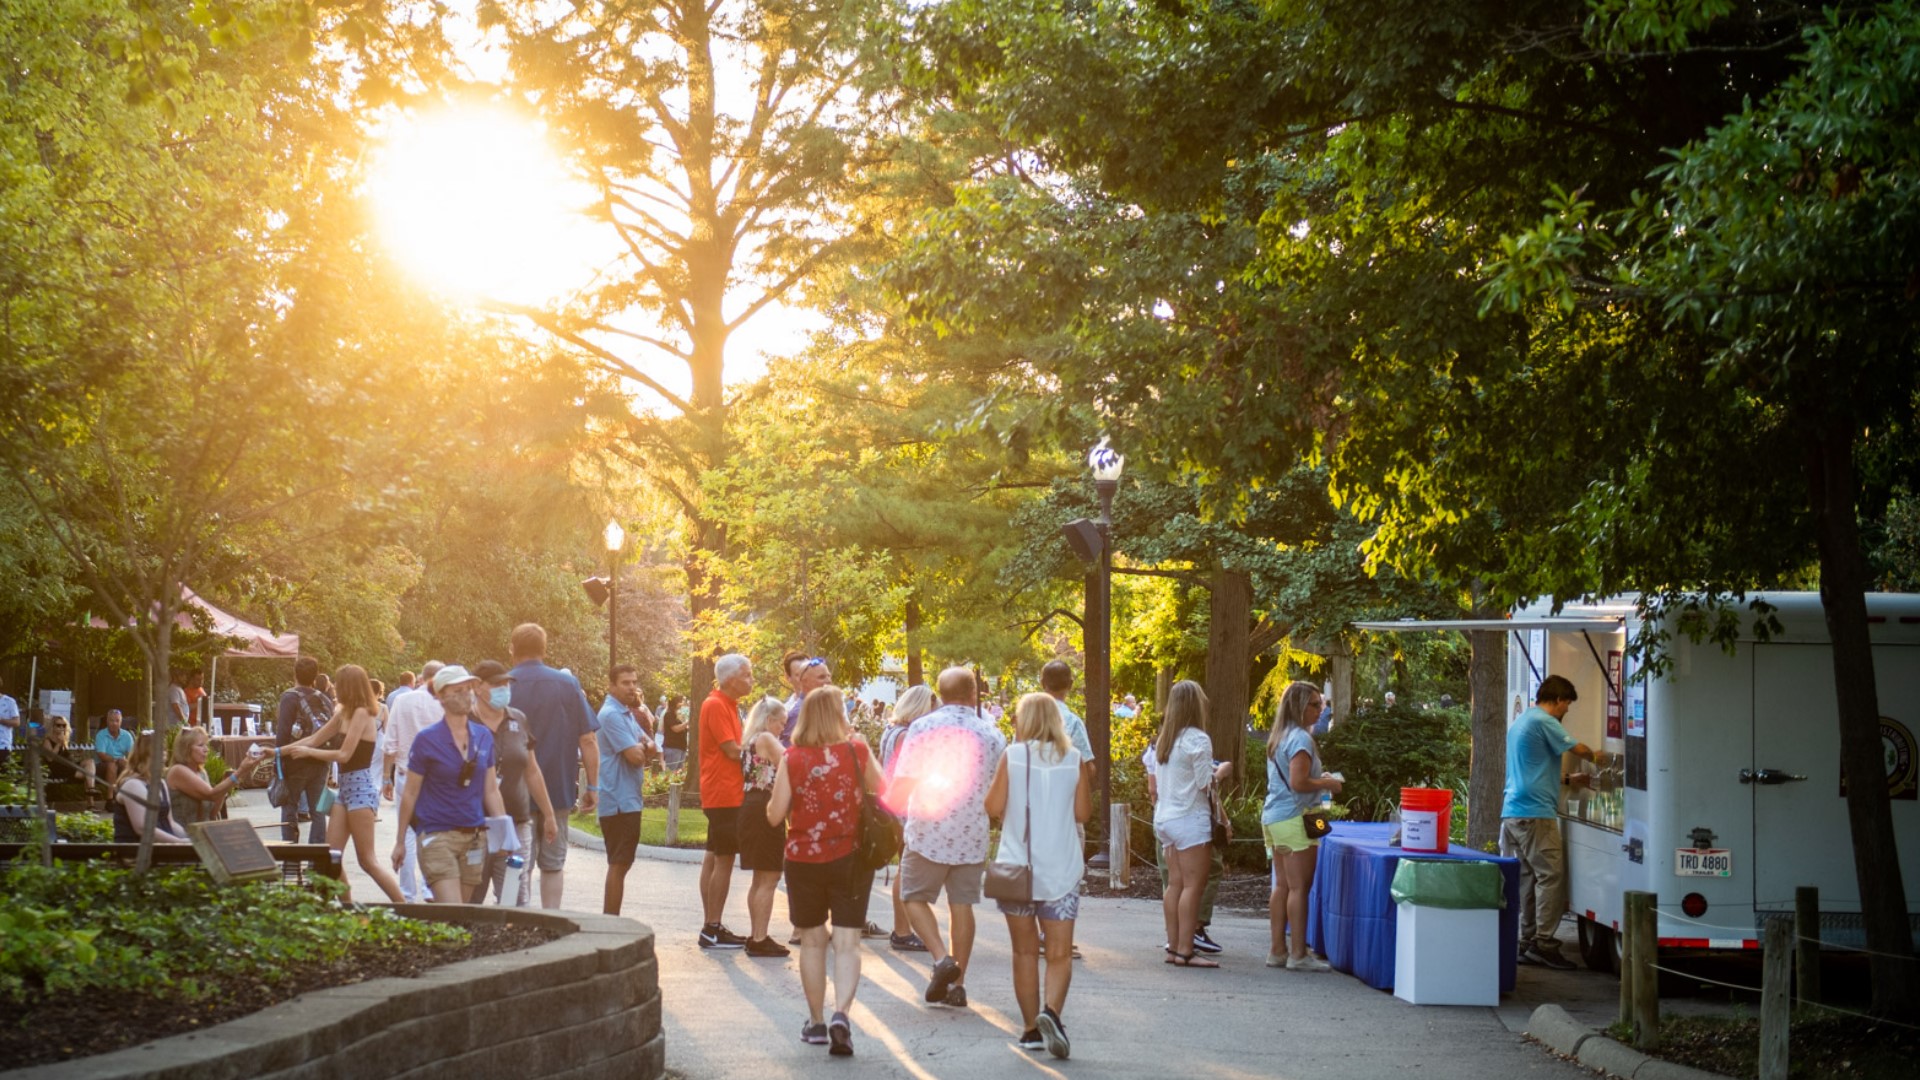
{"points": [[1065, 909]]}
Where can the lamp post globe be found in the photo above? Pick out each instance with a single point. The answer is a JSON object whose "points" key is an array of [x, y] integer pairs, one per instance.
{"points": [[616, 538], [1106, 464]]}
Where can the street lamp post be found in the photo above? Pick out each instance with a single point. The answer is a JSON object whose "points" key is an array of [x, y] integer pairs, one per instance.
{"points": [[1097, 622], [616, 538]]}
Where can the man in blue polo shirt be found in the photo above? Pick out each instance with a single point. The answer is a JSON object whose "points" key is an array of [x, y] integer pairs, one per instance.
{"points": [[1530, 817], [111, 745], [563, 727]]}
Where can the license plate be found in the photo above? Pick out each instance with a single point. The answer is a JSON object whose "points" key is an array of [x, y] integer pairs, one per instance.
{"points": [[1702, 862]]}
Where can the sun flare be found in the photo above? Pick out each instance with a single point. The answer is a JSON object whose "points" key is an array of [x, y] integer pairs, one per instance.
{"points": [[474, 201]]}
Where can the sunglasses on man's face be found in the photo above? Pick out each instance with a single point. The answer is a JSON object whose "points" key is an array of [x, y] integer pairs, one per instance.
{"points": [[818, 661]]}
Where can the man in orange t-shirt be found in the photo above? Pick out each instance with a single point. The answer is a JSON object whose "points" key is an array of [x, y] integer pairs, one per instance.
{"points": [[721, 791]]}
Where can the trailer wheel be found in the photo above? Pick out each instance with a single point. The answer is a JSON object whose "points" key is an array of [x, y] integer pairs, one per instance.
{"points": [[1599, 946]]}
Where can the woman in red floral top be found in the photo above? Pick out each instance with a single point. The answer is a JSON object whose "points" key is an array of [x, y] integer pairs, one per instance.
{"points": [[817, 792]]}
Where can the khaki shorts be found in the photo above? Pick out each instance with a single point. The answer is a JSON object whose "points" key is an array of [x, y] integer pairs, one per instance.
{"points": [[921, 879], [1288, 836], [460, 853]]}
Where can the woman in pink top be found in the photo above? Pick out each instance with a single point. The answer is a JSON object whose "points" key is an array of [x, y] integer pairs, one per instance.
{"points": [[817, 793]]}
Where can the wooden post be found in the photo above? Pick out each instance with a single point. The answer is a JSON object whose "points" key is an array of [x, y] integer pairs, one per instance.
{"points": [[673, 815], [1625, 934], [1806, 949], [1645, 945], [1119, 827], [1776, 991]]}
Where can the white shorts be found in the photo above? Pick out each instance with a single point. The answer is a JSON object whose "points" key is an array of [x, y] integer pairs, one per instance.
{"points": [[1186, 832]]}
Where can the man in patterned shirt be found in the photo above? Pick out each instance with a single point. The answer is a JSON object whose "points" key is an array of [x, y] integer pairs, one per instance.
{"points": [[941, 781]]}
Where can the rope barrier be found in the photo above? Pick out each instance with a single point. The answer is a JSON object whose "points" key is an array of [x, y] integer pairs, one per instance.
{"points": [[1817, 941], [1756, 990]]}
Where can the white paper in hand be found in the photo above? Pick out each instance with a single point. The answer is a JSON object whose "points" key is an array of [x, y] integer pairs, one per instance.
{"points": [[501, 835]]}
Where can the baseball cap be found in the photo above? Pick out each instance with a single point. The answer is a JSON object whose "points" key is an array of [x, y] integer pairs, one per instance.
{"points": [[450, 675], [490, 671]]}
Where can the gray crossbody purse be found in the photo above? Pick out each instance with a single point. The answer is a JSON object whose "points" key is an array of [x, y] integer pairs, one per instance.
{"points": [[1013, 882]]}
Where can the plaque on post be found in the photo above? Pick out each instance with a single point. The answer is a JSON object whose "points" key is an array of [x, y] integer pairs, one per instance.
{"points": [[232, 851]]}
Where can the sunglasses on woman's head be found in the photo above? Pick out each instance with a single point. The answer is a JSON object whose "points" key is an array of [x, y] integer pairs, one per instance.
{"points": [[818, 661]]}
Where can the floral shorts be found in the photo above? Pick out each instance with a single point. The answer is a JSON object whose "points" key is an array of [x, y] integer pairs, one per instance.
{"points": [[1065, 909]]}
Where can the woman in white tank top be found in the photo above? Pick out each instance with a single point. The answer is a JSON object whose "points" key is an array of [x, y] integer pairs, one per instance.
{"points": [[1038, 794]]}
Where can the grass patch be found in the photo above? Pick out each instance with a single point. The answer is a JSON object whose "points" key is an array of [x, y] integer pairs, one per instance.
{"points": [[653, 827], [1822, 1046]]}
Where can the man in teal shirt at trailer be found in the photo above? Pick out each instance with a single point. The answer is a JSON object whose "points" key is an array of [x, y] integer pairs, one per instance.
{"points": [[1530, 817]]}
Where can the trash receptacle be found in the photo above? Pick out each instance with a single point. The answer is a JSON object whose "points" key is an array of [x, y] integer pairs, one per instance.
{"points": [[1447, 944]]}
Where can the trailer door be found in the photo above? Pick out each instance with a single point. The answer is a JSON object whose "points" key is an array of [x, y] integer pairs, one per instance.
{"points": [[1801, 833]]}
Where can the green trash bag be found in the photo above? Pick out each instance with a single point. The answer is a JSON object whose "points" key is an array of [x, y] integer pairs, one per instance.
{"points": [[1456, 884]]}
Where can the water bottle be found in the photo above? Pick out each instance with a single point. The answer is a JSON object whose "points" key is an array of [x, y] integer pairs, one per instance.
{"points": [[510, 881]]}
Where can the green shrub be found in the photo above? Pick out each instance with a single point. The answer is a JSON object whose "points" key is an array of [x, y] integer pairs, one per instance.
{"points": [[84, 828], [1385, 749], [99, 927]]}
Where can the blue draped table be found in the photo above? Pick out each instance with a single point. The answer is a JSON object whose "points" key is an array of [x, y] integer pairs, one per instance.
{"points": [[1351, 917]]}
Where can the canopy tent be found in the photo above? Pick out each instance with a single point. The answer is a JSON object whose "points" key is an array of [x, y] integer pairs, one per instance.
{"points": [[255, 641]]}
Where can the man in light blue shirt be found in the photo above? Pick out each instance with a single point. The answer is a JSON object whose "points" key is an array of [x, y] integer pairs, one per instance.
{"points": [[625, 746], [1530, 821], [111, 745]]}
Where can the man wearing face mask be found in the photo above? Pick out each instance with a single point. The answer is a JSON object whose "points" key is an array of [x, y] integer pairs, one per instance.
{"points": [[452, 789], [522, 789]]}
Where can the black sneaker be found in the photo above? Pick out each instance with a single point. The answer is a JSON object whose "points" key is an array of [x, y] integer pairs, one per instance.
{"points": [[768, 947], [728, 939], [906, 942], [956, 998], [813, 1034], [1551, 958], [1031, 1040], [944, 973], [1055, 1034], [872, 930], [840, 1035], [715, 936], [1204, 943]]}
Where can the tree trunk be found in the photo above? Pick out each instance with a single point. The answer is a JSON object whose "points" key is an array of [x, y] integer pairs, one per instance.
{"points": [[915, 674], [1229, 668], [1831, 486], [1487, 776], [1341, 676], [162, 660]]}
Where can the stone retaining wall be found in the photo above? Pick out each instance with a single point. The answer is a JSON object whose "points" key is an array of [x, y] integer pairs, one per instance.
{"points": [[582, 1007]]}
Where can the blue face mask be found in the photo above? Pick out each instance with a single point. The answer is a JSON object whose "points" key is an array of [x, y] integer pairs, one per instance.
{"points": [[499, 696]]}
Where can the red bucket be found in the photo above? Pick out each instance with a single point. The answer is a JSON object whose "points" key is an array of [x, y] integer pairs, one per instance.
{"points": [[1426, 819]]}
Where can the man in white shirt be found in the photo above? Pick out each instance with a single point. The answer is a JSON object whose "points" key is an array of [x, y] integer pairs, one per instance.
{"points": [[407, 716], [941, 779], [9, 721]]}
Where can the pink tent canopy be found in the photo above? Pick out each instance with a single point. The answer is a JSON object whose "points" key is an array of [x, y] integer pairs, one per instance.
{"points": [[258, 641], [255, 641]]}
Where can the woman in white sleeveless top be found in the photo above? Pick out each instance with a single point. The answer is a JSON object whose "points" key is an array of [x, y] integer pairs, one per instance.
{"points": [[1038, 794]]}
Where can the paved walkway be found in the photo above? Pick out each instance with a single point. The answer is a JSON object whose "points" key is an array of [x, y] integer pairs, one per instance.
{"points": [[1130, 1015]]}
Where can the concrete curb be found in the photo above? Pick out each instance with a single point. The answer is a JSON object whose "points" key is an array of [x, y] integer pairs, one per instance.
{"points": [[1552, 1027], [585, 1006], [584, 839]]}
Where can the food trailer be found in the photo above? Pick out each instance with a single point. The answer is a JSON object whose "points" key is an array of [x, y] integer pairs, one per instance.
{"points": [[1717, 784]]}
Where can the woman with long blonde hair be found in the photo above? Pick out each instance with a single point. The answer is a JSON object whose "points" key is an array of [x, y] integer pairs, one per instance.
{"points": [[1294, 784], [763, 843], [131, 803], [1039, 792], [356, 719], [1182, 817]]}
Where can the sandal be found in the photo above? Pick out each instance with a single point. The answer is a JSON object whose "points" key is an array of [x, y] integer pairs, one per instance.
{"points": [[1190, 961]]}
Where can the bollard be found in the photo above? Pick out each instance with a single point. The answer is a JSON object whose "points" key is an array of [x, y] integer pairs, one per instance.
{"points": [[1119, 873], [1806, 948], [1776, 985], [673, 815], [1625, 933], [1645, 948]]}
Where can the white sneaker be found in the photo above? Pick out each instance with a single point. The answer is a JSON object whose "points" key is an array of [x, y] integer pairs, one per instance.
{"points": [[1308, 962]]}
